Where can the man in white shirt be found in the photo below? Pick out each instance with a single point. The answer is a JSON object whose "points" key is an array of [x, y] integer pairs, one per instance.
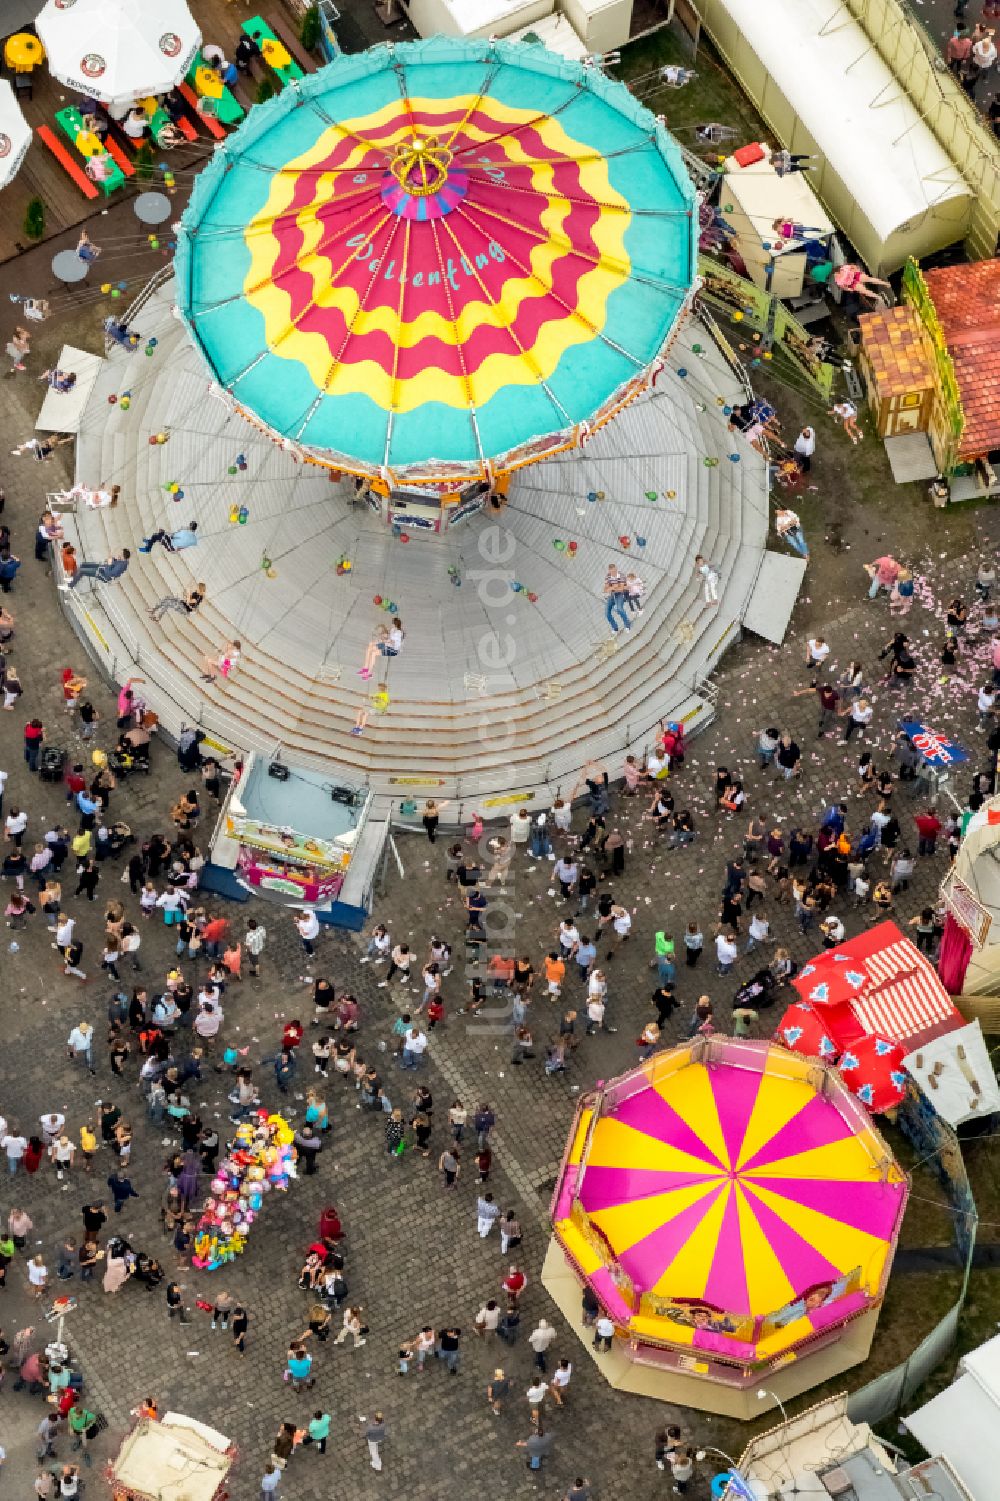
{"points": [[726, 953], [540, 1339], [604, 1331], [170, 901], [15, 1147], [64, 931], [209, 997], [595, 1015], [657, 765], [569, 937], [207, 1023], [79, 1043], [3, 783], [560, 1381], [536, 1393], [52, 1126], [817, 651], [760, 931], [805, 447], [520, 826], [14, 826], [414, 1047], [308, 925]]}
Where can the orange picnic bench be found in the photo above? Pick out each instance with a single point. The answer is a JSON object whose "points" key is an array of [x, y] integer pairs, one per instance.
{"points": [[48, 138]]}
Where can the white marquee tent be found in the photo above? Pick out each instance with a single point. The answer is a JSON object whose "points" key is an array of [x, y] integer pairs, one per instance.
{"points": [[15, 135], [118, 51], [823, 88]]}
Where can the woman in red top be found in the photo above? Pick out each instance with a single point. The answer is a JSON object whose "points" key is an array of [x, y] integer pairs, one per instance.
{"points": [[291, 1036], [33, 1154], [34, 734]]}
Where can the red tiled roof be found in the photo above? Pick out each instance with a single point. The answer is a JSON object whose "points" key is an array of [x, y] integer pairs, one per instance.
{"points": [[967, 299]]}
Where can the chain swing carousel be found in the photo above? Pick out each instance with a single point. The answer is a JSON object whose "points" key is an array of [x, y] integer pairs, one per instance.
{"points": [[397, 288]]}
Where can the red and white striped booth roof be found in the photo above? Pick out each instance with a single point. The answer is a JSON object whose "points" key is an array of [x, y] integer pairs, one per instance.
{"points": [[903, 1000]]}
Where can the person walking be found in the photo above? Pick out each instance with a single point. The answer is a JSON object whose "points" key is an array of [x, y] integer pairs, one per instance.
{"points": [[561, 1377], [487, 1213], [498, 1390], [510, 1233], [253, 941], [448, 1348], [121, 1189], [318, 1430], [307, 924], [375, 1438], [431, 818], [540, 1339], [353, 1326]]}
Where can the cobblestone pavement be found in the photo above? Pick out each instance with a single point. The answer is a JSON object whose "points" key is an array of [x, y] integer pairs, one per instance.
{"points": [[414, 1256]]}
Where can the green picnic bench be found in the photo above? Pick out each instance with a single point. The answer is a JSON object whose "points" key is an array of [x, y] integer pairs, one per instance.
{"points": [[228, 110], [70, 122], [263, 34]]}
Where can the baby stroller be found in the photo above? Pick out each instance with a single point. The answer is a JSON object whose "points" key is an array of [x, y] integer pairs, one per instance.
{"points": [[112, 839], [757, 993], [51, 763], [124, 760]]}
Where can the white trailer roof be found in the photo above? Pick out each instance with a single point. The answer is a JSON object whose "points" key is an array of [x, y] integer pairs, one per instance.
{"points": [[961, 1423], [473, 15], [852, 106], [764, 196]]}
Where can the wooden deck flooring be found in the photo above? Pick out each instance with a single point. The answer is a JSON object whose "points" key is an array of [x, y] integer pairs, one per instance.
{"points": [[41, 175]]}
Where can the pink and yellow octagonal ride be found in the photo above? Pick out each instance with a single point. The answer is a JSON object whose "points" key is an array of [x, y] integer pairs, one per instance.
{"points": [[732, 1207]]}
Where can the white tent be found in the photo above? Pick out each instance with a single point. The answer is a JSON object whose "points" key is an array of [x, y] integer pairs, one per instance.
{"points": [[118, 50], [963, 1423], [824, 89], [956, 1074], [15, 134], [178, 1459]]}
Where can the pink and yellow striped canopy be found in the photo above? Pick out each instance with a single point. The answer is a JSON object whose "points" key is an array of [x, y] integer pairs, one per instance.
{"points": [[740, 1183]]}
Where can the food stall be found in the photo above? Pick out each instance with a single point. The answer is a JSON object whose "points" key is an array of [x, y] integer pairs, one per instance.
{"points": [[295, 830]]}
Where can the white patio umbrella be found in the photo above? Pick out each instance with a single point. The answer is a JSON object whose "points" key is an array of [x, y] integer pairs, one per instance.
{"points": [[15, 134], [118, 50]]}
